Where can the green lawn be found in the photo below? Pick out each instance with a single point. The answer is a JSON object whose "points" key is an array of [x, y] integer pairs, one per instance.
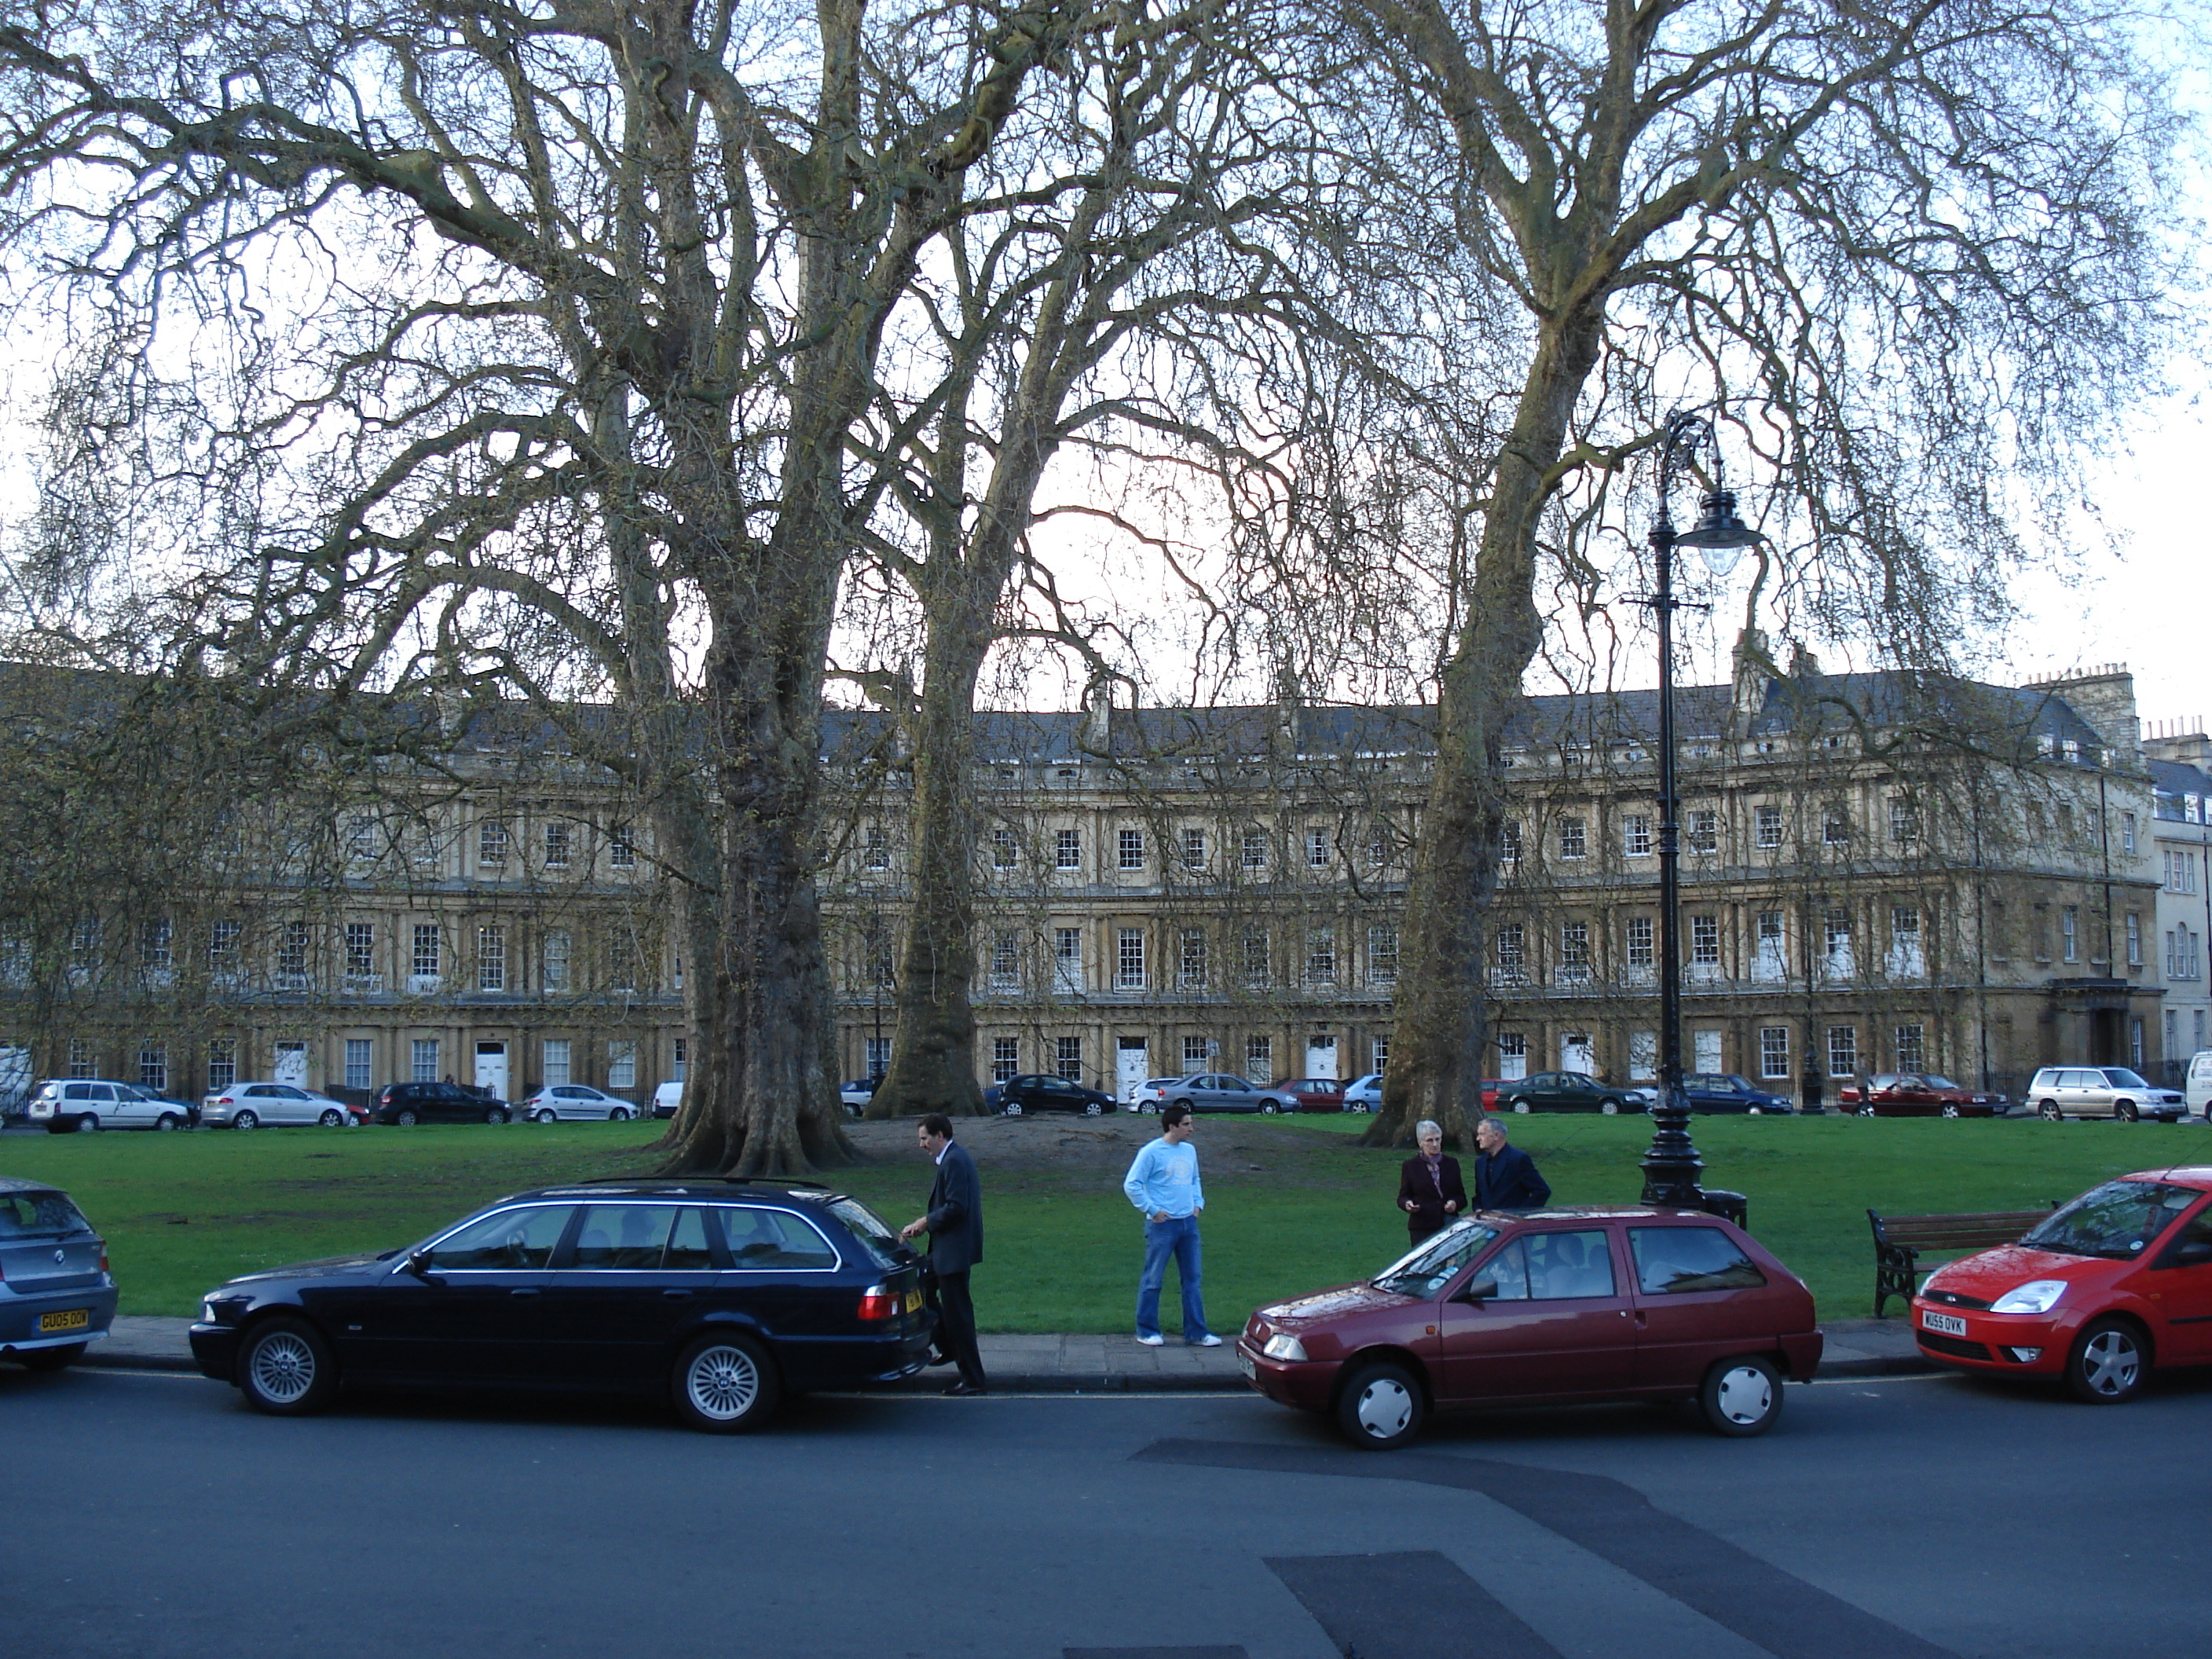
{"points": [[182, 1213]]}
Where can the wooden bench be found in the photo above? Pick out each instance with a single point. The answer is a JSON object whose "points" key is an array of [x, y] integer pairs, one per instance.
{"points": [[1899, 1239]]}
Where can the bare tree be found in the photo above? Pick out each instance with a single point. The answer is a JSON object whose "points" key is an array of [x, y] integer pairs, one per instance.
{"points": [[540, 337], [1913, 245]]}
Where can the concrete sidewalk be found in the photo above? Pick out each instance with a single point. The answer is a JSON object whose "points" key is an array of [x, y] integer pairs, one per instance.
{"points": [[1073, 1364]]}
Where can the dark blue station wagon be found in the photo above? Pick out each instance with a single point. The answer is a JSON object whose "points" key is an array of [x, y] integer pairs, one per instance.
{"points": [[716, 1295]]}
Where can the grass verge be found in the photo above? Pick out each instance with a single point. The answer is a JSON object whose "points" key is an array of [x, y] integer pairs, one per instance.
{"points": [[182, 1213]]}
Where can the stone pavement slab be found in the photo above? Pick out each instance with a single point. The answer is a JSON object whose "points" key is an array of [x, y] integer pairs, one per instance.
{"points": [[1075, 1363]]}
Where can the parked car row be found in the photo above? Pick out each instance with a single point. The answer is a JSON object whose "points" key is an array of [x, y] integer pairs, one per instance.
{"points": [[78, 1105]]}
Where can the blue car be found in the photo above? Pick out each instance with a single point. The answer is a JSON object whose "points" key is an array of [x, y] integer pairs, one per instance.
{"points": [[1725, 1091], [55, 1296]]}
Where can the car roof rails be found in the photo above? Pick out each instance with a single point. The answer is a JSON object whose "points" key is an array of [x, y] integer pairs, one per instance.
{"points": [[786, 1182]]}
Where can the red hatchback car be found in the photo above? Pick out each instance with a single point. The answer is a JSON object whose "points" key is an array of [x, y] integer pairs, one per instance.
{"points": [[1916, 1094], [2116, 1283], [1556, 1305]]}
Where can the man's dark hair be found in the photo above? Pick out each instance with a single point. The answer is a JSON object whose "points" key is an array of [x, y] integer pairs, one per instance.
{"points": [[1171, 1116], [937, 1124]]}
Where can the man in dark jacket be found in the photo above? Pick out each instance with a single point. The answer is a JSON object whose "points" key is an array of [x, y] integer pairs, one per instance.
{"points": [[1430, 1191], [1505, 1177], [955, 1226]]}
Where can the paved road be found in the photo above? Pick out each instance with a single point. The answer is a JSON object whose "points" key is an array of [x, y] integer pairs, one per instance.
{"points": [[151, 1516]]}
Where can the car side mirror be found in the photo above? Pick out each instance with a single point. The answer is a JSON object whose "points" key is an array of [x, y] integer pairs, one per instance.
{"points": [[2194, 1254], [1477, 1291], [418, 1263]]}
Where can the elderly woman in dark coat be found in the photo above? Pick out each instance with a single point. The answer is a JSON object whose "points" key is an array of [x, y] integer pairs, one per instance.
{"points": [[1429, 1187]]}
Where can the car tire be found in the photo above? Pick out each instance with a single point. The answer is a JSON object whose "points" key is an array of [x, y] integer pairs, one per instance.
{"points": [[618, 1114], [1609, 1109], [245, 1121], [2125, 1111], [1093, 1108], [286, 1368], [2109, 1363], [1150, 1107], [89, 1124], [547, 1115], [332, 1120], [1519, 1106], [724, 1385], [53, 1359], [1010, 1109], [1186, 1105], [1754, 1111], [497, 1114], [2049, 1112], [1379, 1407], [405, 1117], [168, 1123], [1950, 1111], [1741, 1397], [1270, 1107]]}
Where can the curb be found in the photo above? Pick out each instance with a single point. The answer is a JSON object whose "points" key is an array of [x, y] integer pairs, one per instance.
{"points": [[103, 1356]]}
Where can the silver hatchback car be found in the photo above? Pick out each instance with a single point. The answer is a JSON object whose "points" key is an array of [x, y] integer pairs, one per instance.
{"points": [[56, 1295], [2062, 1091]]}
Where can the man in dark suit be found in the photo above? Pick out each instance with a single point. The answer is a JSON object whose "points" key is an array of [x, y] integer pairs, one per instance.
{"points": [[1505, 1177], [955, 1226], [1430, 1191]]}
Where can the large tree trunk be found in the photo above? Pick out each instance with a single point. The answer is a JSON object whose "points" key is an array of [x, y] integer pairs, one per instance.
{"points": [[1441, 1028], [933, 1066]]}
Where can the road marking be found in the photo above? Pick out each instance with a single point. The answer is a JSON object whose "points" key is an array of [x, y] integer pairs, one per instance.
{"points": [[1767, 1606], [1415, 1604]]}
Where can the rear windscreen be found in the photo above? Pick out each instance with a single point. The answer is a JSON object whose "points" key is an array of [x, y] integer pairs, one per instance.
{"points": [[39, 1212], [866, 1226]]}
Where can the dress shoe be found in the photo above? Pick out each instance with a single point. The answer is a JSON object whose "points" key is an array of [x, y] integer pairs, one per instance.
{"points": [[964, 1390]]}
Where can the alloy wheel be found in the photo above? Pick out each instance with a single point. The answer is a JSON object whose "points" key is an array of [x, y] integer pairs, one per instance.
{"points": [[282, 1367], [722, 1382], [245, 1121], [2110, 1362]]}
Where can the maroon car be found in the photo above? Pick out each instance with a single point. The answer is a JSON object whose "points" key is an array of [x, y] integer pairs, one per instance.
{"points": [[1916, 1094], [1553, 1306], [1313, 1094]]}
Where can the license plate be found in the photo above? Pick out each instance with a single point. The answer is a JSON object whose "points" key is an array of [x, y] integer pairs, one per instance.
{"points": [[1948, 1324], [1245, 1361], [70, 1319], [913, 1301]]}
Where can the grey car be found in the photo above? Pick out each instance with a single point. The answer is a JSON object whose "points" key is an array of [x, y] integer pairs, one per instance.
{"points": [[55, 1293], [1224, 1092], [2062, 1091]]}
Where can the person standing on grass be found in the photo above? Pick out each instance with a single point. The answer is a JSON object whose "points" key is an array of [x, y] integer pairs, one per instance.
{"points": [[1163, 1183], [1430, 1191], [1505, 1177], [954, 1223]]}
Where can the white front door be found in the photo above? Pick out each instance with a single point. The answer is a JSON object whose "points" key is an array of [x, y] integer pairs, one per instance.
{"points": [[1705, 1046], [491, 1068], [1321, 1057], [292, 1064], [1578, 1054], [1131, 1066]]}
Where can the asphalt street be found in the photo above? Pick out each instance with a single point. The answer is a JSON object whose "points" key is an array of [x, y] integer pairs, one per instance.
{"points": [[152, 1516]]}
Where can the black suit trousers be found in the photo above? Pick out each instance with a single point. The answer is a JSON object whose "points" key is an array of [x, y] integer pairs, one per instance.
{"points": [[956, 1324]]}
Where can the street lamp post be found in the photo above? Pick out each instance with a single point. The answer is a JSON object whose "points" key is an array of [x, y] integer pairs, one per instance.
{"points": [[1672, 1166]]}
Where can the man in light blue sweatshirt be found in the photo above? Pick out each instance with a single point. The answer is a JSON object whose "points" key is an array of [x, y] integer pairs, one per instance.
{"points": [[1163, 1183]]}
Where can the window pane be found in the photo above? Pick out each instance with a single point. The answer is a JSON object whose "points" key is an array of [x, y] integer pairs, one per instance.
{"points": [[1674, 1260], [688, 1250], [1566, 1265], [512, 1241], [768, 1240], [623, 1236]]}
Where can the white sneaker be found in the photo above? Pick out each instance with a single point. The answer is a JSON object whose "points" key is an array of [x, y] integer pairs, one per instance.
{"points": [[1152, 1341], [1207, 1342]]}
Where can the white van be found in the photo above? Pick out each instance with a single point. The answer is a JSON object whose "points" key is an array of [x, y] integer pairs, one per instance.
{"points": [[2197, 1088]]}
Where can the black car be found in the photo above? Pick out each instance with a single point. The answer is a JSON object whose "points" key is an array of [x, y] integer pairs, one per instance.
{"points": [[717, 1295], [1564, 1091], [1017, 1094], [410, 1103]]}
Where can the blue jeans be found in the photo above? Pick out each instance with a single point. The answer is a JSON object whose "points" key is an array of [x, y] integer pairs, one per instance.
{"points": [[1176, 1236]]}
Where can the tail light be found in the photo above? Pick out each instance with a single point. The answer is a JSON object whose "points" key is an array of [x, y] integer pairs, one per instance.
{"points": [[103, 1257], [880, 1302]]}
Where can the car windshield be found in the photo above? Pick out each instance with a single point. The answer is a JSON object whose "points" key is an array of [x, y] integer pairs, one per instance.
{"points": [[875, 1237], [1428, 1268], [2119, 1220], [39, 1212], [1936, 1082], [2120, 1077]]}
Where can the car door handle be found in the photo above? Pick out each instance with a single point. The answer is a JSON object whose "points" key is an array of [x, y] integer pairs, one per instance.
{"points": [[677, 1296], [1641, 1320], [526, 1290]]}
